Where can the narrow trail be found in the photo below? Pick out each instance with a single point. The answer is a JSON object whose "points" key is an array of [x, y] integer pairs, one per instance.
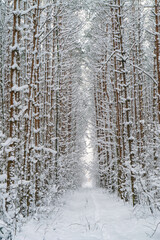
{"points": [[91, 214]]}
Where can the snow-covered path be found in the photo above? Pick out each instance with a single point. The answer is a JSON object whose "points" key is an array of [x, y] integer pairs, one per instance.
{"points": [[91, 214]]}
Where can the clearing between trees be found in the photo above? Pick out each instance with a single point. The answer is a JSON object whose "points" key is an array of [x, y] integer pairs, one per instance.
{"points": [[92, 214]]}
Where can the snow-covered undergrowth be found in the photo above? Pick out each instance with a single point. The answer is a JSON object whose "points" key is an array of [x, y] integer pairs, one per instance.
{"points": [[91, 214]]}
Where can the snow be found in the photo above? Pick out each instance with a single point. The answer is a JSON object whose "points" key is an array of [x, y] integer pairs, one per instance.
{"points": [[3, 186], [3, 177], [7, 142], [15, 88], [5, 233], [11, 158], [91, 214], [29, 9], [23, 182], [15, 66]]}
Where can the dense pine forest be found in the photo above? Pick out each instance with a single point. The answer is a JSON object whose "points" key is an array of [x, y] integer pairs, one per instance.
{"points": [[74, 75]]}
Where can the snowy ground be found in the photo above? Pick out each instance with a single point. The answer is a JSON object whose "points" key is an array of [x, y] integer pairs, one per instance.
{"points": [[91, 214]]}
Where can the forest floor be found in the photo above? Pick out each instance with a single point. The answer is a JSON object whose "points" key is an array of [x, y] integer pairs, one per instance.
{"points": [[92, 214]]}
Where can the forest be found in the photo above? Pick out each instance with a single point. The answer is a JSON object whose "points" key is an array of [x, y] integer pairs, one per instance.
{"points": [[78, 76]]}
